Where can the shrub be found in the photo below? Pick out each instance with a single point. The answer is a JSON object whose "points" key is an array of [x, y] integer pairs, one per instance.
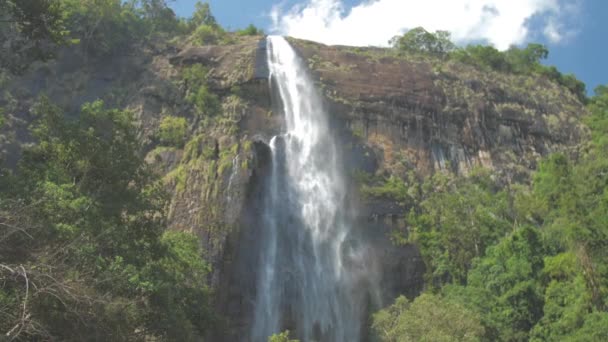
{"points": [[173, 131], [250, 30], [207, 34], [205, 102]]}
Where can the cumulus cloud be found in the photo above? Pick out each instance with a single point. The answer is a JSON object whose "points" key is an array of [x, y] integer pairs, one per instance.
{"points": [[373, 22]]}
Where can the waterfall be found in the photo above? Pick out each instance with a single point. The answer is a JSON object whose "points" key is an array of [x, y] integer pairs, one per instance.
{"points": [[312, 276]]}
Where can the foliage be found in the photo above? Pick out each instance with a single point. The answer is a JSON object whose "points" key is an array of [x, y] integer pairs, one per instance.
{"points": [[391, 187], [206, 34], [567, 300], [172, 131], [595, 328], [418, 40], [250, 30], [427, 318], [515, 60], [104, 27], [519, 61], [195, 82], [202, 15], [455, 222], [541, 270], [29, 31], [281, 337], [157, 15], [33, 29], [482, 56], [506, 280], [82, 228], [204, 26], [598, 120]]}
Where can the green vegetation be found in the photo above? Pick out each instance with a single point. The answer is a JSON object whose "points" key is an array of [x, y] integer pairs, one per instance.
{"points": [[33, 30], [515, 60], [198, 94], [281, 337], [418, 40], [29, 30], [250, 30], [519, 61], [456, 220], [427, 318], [83, 252], [206, 35], [392, 187], [527, 261], [172, 131]]}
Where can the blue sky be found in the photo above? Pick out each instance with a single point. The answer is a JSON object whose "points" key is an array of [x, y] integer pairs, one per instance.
{"points": [[576, 31]]}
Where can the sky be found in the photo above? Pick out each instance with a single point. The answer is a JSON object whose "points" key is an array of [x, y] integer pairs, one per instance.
{"points": [[575, 31]]}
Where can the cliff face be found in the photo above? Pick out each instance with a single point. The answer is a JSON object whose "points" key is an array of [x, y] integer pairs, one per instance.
{"points": [[429, 114], [391, 114]]}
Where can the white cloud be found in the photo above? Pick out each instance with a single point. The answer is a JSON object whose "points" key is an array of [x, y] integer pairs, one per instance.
{"points": [[552, 32], [373, 22]]}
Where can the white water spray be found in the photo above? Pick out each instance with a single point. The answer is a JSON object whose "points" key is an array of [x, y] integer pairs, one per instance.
{"points": [[313, 274]]}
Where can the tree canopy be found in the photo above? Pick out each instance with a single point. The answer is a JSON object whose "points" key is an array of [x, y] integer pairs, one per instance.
{"points": [[83, 251]]}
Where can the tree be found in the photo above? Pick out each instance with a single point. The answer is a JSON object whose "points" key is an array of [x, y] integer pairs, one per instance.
{"points": [[595, 328], [456, 222], [427, 318], [29, 31], [83, 252], [202, 15], [159, 16], [567, 299], [528, 59], [482, 56], [250, 30], [418, 40], [506, 285], [172, 131]]}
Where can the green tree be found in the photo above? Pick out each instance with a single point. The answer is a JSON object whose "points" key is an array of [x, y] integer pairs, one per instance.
{"points": [[30, 30], [598, 120], [250, 30], [172, 131], [567, 299], [427, 318], [506, 287], [83, 253], [418, 40], [456, 221], [202, 15], [482, 56], [197, 93], [595, 328], [526, 60]]}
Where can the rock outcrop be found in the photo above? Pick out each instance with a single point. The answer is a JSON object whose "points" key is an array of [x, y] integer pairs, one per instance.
{"points": [[427, 114]]}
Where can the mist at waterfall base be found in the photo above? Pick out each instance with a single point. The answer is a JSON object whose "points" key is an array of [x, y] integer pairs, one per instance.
{"points": [[315, 277]]}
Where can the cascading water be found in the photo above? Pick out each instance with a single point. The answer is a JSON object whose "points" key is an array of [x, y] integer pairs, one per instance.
{"points": [[313, 275]]}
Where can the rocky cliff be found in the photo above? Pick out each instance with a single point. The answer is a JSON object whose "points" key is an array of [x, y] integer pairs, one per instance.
{"points": [[392, 114]]}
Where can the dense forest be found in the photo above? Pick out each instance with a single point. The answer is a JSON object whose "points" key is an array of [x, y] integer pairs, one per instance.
{"points": [[85, 253]]}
